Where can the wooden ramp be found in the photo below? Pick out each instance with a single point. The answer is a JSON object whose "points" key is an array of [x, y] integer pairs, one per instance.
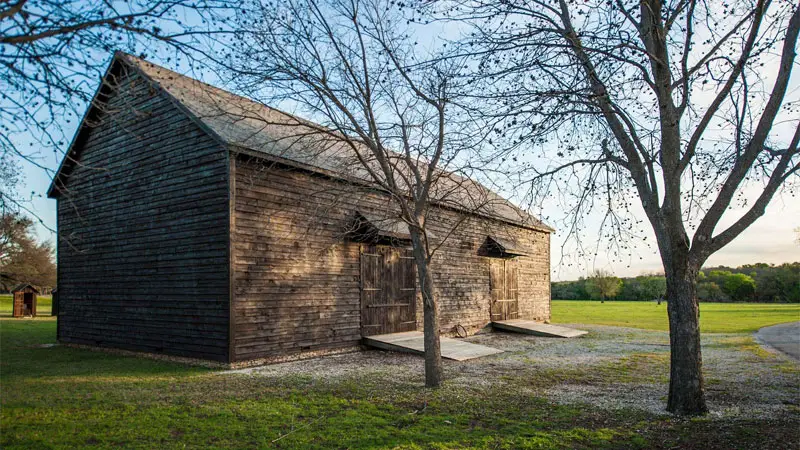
{"points": [[537, 328], [412, 342]]}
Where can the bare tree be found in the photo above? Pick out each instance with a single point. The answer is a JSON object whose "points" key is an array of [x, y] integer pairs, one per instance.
{"points": [[392, 115], [683, 104], [22, 258], [52, 52]]}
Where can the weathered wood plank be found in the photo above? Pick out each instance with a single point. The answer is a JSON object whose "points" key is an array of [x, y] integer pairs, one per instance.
{"points": [[143, 251], [296, 275]]}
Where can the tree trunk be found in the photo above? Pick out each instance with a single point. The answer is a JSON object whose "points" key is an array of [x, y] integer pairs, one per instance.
{"points": [[686, 396], [430, 309], [433, 352]]}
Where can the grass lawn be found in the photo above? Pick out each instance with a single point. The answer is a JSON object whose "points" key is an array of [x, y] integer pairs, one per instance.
{"points": [[66, 398], [43, 304], [714, 317], [60, 397]]}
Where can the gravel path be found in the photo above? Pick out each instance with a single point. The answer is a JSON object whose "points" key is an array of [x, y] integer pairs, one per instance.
{"points": [[611, 368]]}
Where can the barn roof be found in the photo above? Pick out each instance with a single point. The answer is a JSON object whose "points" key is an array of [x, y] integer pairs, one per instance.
{"points": [[245, 125]]}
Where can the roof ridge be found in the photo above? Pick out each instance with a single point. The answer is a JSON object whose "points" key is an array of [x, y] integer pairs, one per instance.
{"points": [[131, 59]]}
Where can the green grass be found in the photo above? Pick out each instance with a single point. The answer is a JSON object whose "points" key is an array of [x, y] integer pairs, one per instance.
{"points": [[61, 397], [43, 304], [714, 317]]}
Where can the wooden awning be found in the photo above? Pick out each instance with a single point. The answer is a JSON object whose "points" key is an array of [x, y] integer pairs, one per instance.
{"points": [[504, 246], [372, 227]]}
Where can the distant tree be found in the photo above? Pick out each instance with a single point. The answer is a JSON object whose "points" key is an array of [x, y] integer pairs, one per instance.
{"points": [[739, 287], [710, 292], [569, 290], [22, 258], [779, 283], [603, 285], [654, 287], [631, 289], [642, 288]]}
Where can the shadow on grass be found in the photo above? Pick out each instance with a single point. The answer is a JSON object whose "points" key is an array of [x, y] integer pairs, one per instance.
{"points": [[23, 355]]}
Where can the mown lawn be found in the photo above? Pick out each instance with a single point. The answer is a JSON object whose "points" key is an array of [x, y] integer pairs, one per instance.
{"points": [[43, 304], [714, 317], [61, 397]]}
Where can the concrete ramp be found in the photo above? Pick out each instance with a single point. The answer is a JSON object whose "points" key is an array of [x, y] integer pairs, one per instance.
{"points": [[412, 342], [537, 328]]}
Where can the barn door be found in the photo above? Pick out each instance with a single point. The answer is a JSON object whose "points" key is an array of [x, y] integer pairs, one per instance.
{"points": [[388, 290], [504, 284]]}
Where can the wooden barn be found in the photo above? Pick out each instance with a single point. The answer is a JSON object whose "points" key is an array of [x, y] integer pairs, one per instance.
{"points": [[197, 223], [24, 300]]}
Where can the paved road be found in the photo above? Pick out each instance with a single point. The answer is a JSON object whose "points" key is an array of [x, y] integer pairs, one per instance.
{"points": [[784, 337]]}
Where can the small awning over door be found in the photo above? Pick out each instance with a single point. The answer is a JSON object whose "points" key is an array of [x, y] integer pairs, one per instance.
{"points": [[503, 247], [372, 227]]}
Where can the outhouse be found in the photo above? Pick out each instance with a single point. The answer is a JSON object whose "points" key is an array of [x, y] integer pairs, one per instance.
{"points": [[24, 300]]}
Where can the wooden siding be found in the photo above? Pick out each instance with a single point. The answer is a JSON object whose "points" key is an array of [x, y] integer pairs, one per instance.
{"points": [[143, 257], [296, 277]]}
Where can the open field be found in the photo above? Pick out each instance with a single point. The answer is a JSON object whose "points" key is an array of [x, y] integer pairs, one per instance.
{"points": [[43, 304], [604, 390], [714, 317]]}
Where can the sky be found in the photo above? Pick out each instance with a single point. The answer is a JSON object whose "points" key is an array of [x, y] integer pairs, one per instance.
{"points": [[771, 239]]}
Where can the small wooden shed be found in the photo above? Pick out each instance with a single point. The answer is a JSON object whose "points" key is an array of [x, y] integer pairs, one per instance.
{"points": [[24, 300]]}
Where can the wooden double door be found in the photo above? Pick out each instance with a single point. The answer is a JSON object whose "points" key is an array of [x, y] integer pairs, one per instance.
{"points": [[504, 284], [388, 290]]}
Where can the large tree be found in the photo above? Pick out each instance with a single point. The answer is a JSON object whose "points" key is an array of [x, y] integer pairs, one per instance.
{"points": [[685, 105], [389, 113]]}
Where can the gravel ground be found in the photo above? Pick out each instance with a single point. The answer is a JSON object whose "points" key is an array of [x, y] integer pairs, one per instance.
{"points": [[610, 368]]}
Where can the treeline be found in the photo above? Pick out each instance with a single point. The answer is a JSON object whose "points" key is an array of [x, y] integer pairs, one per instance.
{"points": [[749, 283]]}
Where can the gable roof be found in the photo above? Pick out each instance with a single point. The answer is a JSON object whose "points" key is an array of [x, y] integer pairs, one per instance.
{"points": [[242, 124], [23, 286]]}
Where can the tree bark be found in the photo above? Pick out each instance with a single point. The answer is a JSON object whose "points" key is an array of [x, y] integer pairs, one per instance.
{"points": [[686, 395], [430, 309]]}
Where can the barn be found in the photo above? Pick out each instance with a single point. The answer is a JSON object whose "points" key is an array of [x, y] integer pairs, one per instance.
{"points": [[197, 223]]}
